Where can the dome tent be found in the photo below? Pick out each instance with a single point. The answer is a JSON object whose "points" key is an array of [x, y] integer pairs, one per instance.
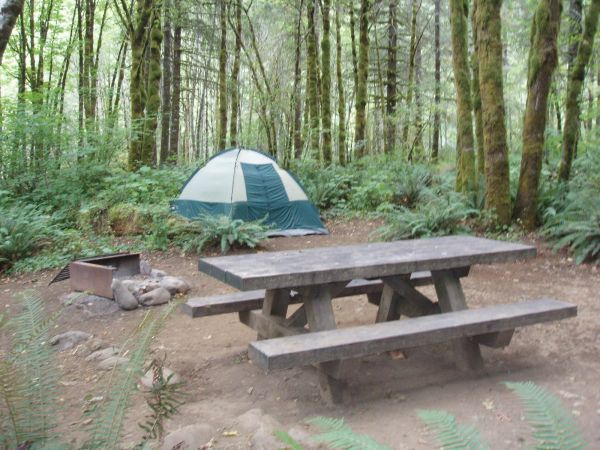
{"points": [[249, 185]]}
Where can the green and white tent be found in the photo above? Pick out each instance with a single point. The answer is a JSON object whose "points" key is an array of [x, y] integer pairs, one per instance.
{"points": [[249, 185]]}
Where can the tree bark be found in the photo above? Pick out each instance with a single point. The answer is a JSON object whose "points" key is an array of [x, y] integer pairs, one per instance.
{"points": [[543, 57], [489, 45], [235, 74], [297, 128], [435, 141], [165, 115], [411, 71], [222, 127], [465, 174], [313, 94], [341, 95], [360, 143], [326, 82], [476, 96], [574, 88], [176, 93], [391, 79]]}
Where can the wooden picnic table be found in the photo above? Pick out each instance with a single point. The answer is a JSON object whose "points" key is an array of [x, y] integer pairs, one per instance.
{"points": [[313, 277]]}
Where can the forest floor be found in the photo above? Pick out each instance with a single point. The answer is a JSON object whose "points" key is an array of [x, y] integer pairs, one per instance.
{"points": [[386, 394]]}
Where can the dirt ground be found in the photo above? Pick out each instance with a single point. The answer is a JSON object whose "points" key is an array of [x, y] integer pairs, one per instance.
{"points": [[386, 394]]}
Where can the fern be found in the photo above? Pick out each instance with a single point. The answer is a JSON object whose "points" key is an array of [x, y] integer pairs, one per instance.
{"points": [[28, 378], [106, 428], [552, 426], [450, 434], [289, 441], [338, 435]]}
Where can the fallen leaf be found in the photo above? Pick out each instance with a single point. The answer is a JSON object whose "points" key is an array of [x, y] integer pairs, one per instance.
{"points": [[231, 433], [488, 403]]}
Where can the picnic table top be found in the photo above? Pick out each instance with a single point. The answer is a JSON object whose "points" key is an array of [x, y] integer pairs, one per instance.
{"points": [[314, 266]]}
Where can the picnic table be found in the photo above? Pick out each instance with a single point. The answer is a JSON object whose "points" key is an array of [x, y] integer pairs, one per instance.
{"points": [[389, 273]]}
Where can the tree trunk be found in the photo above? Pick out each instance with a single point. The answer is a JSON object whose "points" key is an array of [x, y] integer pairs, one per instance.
{"points": [[326, 83], [575, 16], [9, 12], [465, 174], [391, 81], [543, 57], [235, 74], [411, 71], [435, 141], [297, 128], [489, 46], [222, 127], [176, 94], [165, 116], [313, 95], [476, 96], [574, 87], [361, 88], [340, 89]]}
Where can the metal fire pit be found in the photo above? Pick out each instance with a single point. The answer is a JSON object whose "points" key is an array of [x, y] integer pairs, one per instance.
{"points": [[95, 275]]}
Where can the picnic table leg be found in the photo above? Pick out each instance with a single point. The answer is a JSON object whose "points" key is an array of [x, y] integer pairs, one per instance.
{"points": [[275, 304], [319, 313], [452, 298]]}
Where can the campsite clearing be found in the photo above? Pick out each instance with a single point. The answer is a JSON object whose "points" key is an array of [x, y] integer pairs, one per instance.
{"points": [[210, 355]]}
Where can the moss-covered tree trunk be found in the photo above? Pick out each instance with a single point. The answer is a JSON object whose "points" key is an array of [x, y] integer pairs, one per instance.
{"points": [[326, 83], [222, 124], [435, 139], [391, 81], [574, 88], [154, 75], [476, 96], [543, 57], [313, 75], [360, 124], [297, 99], [411, 71], [489, 52], [465, 148], [234, 88], [176, 93], [340, 91], [165, 115]]}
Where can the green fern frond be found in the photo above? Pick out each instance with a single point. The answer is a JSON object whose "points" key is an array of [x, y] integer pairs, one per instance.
{"points": [[450, 434], [106, 428], [289, 441], [336, 434], [552, 425], [28, 377]]}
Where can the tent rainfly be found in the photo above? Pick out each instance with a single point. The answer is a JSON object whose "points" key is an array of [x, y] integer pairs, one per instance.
{"points": [[249, 185]]}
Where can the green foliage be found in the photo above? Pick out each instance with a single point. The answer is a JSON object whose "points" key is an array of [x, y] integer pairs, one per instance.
{"points": [[23, 229], [336, 434], [109, 414], [163, 399], [221, 232], [28, 378], [289, 441], [553, 426], [412, 186], [450, 434]]}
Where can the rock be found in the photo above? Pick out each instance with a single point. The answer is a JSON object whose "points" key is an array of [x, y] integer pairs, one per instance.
{"points": [[301, 436], [69, 339], [254, 419], [101, 355], [91, 305], [111, 362], [190, 437], [123, 297], [158, 296], [92, 345], [148, 378], [145, 267], [131, 285], [175, 285], [148, 286], [155, 273], [263, 440]]}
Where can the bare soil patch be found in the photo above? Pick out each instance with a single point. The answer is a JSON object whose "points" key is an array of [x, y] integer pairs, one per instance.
{"points": [[210, 356]]}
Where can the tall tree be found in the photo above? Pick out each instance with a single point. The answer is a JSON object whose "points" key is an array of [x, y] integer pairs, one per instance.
{"points": [[326, 82], [476, 96], [10, 10], [362, 78], [235, 74], [574, 88], [391, 79], [543, 57], [489, 53], [222, 125], [411, 70], [340, 90], [313, 75], [465, 177], [575, 30], [435, 140], [165, 115], [176, 92]]}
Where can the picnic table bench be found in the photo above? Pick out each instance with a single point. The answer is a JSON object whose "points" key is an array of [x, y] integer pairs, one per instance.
{"points": [[388, 273]]}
